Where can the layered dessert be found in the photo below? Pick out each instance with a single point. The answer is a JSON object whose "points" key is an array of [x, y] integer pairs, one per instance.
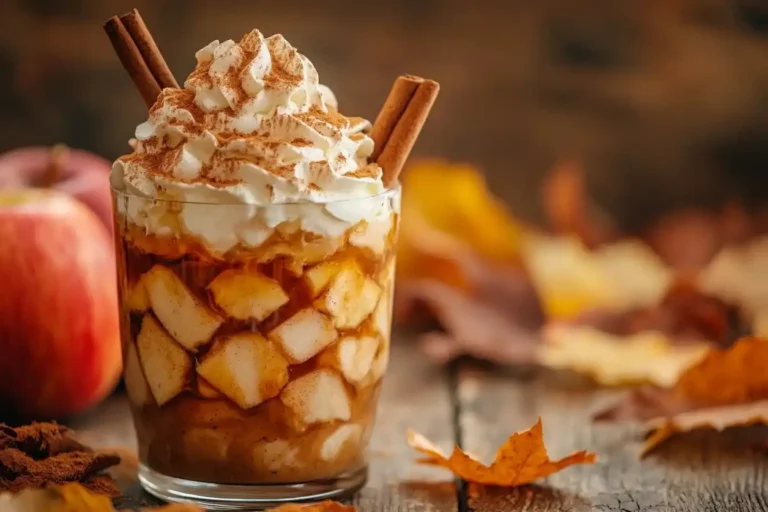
{"points": [[256, 259]]}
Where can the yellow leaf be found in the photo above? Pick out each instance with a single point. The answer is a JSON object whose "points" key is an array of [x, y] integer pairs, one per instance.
{"points": [[717, 418], [645, 357], [571, 279], [454, 199], [727, 388], [66, 498]]}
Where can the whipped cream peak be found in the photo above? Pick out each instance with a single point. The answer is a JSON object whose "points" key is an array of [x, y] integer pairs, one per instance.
{"points": [[253, 125]]}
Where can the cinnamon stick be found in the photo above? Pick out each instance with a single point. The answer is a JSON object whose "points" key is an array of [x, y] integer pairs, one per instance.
{"points": [[400, 143], [132, 60], [140, 34], [402, 91]]}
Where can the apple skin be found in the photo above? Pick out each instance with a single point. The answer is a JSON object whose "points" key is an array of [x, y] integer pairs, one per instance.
{"points": [[82, 175], [59, 332]]}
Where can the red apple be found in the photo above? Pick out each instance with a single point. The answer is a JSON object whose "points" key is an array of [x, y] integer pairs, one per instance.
{"points": [[59, 333], [80, 174]]}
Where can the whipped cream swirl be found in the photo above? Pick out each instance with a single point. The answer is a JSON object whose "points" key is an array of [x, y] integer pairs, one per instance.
{"points": [[252, 129]]}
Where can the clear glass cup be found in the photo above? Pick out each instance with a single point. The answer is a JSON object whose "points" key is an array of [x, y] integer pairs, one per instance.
{"points": [[254, 356]]}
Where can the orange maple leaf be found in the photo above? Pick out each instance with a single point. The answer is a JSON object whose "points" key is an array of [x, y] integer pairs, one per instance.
{"points": [[727, 388], [522, 459], [735, 375]]}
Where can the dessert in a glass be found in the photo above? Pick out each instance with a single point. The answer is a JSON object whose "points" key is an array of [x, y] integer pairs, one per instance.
{"points": [[255, 238]]}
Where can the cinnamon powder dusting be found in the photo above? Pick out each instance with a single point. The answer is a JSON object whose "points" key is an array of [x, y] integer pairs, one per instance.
{"points": [[157, 157], [367, 171], [45, 454]]}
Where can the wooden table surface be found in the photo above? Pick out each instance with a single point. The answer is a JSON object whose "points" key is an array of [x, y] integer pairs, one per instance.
{"points": [[479, 407]]}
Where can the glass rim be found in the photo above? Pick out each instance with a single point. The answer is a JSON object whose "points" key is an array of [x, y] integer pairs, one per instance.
{"points": [[390, 191]]}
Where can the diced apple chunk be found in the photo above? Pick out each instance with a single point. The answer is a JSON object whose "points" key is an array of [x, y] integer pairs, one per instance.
{"points": [[304, 335], [206, 444], [183, 315], [387, 275], [246, 294], [334, 443], [135, 383], [381, 320], [166, 365], [382, 315], [319, 277], [275, 455], [351, 296], [372, 235], [379, 365], [245, 367], [352, 356], [137, 298], [205, 389], [208, 412], [316, 397]]}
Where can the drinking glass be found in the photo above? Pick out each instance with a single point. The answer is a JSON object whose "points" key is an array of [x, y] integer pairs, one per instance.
{"points": [[253, 353]]}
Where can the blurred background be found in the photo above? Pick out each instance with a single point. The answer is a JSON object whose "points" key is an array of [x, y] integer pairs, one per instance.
{"points": [[665, 102]]}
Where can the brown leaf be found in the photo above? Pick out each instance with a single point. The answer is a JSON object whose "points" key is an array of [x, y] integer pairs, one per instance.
{"points": [[686, 239], [737, 275], [571, 280], [568, 207], [723, 377], [717, 418], [474, 325], [520, 460], [726, 388]]}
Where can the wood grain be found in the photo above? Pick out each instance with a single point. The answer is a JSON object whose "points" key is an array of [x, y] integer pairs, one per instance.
{"points": [[694, 473], [415, 395]]}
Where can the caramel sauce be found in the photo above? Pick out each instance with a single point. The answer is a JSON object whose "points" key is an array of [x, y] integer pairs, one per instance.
{"points": [[213, 439]]}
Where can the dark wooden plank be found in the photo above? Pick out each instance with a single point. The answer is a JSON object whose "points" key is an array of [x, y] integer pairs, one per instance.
{"points": [[701, 471], [415, 395]]}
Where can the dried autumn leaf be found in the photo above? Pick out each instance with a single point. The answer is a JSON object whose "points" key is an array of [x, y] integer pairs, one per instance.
{"points": [[566, 276], [522, 459], [571, 279], [717, 418], [497, 323], [723, 377], [65, 498], [727, 388], [611, 360], [739, 276], [454, 199], [568, 207], [686, 239]]}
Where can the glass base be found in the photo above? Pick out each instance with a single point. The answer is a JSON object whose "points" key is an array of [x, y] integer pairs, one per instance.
{"points": [[248, 497]]}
